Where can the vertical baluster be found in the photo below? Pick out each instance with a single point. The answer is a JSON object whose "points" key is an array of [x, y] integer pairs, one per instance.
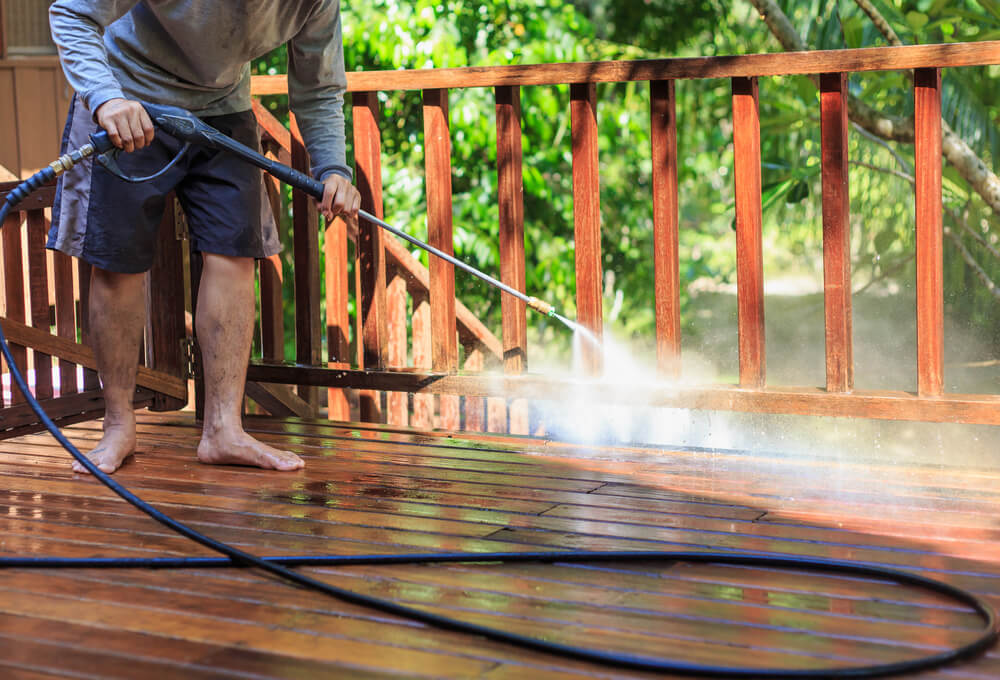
{"points": [[510, 197], [666, 259], [749, 243], [338, 320], [444, 333], [62, 266], [308, 343], [587, 217], [3, 312], [83, 270], [423, 404], [14, 280], [371, 255], [396, 403], [271, 275], [196, 264], [166, 300], [930, 275], [836, 233], [38, 287], [475, 407]]}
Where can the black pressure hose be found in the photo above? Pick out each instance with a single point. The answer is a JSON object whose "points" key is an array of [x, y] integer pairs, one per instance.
{"points": [[279, 566]]}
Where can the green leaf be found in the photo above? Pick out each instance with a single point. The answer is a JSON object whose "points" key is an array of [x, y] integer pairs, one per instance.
{"points": [[884, 240], [916, 20], [798, 193], [773, 192], [854, 28], [991, 6]]}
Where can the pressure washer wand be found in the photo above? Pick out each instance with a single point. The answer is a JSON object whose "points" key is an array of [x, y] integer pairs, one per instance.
{"points": [[538, 305], [188, 128]]}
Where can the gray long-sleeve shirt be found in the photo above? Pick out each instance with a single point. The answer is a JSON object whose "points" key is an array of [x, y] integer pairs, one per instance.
{"points": [[196, 54]]}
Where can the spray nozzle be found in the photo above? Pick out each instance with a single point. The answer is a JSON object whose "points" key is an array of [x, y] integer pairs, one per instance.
{"points": [[540, 306]]}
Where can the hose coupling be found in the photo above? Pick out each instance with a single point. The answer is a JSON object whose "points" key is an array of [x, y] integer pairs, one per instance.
{"points": [[67, 161], [541, 306]]}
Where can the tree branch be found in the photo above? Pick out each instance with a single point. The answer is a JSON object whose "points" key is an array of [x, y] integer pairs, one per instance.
{"points": [[958, 153], [890, 171], [881, 142], [880, 23], [960, 220], [969, 260]]}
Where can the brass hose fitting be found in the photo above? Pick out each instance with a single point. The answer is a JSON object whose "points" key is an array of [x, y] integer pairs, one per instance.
{"points": [[541, 306]]}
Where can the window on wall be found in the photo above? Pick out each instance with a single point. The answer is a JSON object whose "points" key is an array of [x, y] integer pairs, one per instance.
{"points": [[27, 27]]}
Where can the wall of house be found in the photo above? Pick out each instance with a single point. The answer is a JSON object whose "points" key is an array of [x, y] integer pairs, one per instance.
{"points": [[34, 100], [27, 27]]}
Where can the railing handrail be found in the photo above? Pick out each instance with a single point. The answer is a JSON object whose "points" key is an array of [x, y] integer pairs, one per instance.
{"points": [[946, 55]]}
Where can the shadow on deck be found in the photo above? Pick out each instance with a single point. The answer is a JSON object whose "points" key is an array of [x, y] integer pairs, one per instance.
{"points": [[374, 489]]}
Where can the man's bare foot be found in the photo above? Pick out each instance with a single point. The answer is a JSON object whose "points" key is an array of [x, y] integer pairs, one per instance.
{"points": [[242, 449], [117, 444]]}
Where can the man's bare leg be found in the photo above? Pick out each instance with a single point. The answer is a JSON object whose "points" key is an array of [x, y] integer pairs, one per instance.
{"points": [[224, 322], [117, 317]]}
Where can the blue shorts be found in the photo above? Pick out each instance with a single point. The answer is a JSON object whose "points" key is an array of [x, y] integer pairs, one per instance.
{"points": [[113, 224]]}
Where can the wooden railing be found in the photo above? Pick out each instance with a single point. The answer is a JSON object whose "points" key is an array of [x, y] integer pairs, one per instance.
{"points": [[381, 315], [424, 361], [45, 290]]}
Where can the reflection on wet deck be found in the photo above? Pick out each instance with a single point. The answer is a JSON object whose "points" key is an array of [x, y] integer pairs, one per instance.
{"points": [[370, 489]]}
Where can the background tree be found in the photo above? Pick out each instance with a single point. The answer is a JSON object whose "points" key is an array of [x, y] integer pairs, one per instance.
{"points": [[447, 33]]}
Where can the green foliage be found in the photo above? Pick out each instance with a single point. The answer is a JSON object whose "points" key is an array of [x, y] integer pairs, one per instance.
{"points": [[383, 35]]}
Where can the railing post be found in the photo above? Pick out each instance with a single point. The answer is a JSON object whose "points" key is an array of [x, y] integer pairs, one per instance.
{"points": [[929, 226], [371, 254], [836, 233], [510, 198], [587, 217], [308, 343], [749, 244], [666, 260], [444, 330]]}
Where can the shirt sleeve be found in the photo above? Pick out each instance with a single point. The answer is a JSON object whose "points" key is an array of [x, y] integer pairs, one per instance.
{"points": [[316, 85], [77, 29]]}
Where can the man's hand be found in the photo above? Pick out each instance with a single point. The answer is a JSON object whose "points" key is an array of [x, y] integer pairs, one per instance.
{"points": [[339, 197], [126, 122]]}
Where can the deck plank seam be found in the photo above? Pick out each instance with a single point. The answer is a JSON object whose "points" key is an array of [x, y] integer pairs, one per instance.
{"points": [[180, 665], [328, 635], [503, 528], [884, 642]]}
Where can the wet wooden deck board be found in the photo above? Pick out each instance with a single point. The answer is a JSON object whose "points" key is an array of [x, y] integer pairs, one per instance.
{"points": [[369, 489]]}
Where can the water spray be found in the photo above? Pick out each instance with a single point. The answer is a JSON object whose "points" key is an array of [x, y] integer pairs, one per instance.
{"points": [[191, 130]]}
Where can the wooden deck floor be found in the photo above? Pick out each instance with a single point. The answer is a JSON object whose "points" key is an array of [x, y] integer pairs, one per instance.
{"points": [[379, 490]]}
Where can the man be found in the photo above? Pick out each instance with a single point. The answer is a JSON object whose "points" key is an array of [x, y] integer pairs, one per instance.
{"points": [[193, 54]]}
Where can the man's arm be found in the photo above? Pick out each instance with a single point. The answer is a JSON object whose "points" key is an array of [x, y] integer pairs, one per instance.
{"points": [[77, 29], [316, 84]]}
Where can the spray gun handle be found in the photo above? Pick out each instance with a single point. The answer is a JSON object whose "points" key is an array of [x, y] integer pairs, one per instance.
{"points": [[186, 126], [102, 141], [292, 176]]}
